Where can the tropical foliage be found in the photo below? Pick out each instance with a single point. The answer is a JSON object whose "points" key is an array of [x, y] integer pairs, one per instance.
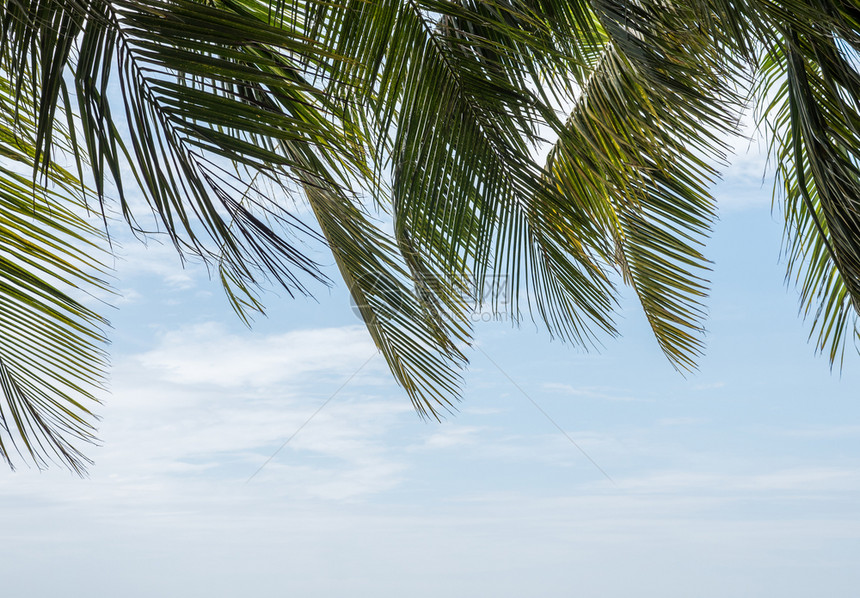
{"points": [[416, 132]]}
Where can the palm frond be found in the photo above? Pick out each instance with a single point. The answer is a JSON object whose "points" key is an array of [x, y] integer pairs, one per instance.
{"points": [[637, 155], [417, 347], [52, 346], [811, 83], [461, 143]]}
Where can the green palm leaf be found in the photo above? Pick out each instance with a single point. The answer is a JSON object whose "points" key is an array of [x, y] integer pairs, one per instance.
{"points": [[655, 108], [52, 357], [812, 78]]}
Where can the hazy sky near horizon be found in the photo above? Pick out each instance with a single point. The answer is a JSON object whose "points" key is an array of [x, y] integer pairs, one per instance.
{"points": [[741, 479]]}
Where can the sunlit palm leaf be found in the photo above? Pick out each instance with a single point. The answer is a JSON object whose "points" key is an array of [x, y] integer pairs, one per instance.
{"points": [[634, 155], [459, 125], [52, 359]]}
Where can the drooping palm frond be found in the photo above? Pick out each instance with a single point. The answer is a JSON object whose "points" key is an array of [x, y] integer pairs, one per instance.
{"points": [[52, 346], [207, 93], [411, 337], [217, 95], [459, 101], [811, 86], [638, 153]]}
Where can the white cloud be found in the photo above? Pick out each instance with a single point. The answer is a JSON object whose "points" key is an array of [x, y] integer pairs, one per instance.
{"points": [[207, 407], [154, 258], [680, 421], [747, 182], [207, 354], [785, 482], [591, 392], [452, 435], [838, 431], [709, 386]]}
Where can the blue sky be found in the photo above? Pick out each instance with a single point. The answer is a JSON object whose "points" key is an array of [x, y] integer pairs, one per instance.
{"points": [[742, 479]]}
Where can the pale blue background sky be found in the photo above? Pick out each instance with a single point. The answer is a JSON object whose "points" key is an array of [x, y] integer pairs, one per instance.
{"points": [[740, 480]]}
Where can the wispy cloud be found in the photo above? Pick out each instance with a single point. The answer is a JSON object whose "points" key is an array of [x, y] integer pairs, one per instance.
{"points": [[207, 404], [823, 432], [154, 258], [452, 436], [680, 421], [591, 392], [209, 355], [785, 482]]}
